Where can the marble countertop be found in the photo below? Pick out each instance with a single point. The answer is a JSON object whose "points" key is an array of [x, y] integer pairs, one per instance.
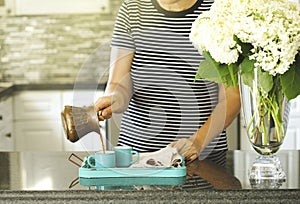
{"points": [[152, 197]]}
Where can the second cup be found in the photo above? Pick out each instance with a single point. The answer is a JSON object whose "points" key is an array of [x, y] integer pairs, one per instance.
{"points": [[124, 156]]}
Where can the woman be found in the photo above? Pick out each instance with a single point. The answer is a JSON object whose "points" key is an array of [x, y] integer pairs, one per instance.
{"points": [[153, 66]]}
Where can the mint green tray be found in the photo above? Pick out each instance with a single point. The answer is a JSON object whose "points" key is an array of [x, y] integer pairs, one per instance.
{"points": [[132, 176]]}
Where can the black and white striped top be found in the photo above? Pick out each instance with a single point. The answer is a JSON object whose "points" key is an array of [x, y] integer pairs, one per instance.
{"points": [[167, 104]]}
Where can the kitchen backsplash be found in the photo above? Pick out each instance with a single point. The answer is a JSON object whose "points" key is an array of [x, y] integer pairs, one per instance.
{"points": [[56, 48]]}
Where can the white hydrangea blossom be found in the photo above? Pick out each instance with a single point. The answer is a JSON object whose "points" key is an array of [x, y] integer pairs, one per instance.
{"points": [[271, 26], [212, 32]]}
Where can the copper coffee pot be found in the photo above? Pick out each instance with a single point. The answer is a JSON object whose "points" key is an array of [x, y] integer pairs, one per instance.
{"points": [[79, 121]]}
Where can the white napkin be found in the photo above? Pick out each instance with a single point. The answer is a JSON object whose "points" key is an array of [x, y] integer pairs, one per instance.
{"points": [[166, 157]]}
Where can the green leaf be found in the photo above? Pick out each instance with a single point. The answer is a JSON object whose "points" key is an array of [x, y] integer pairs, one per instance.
{"points": [[209, 69], [233, 70], [247, 65], [208, 72], [290, 80], [247, 71], [265, 80], [247, 78]]}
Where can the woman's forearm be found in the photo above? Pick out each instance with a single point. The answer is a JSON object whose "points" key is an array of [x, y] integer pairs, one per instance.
{"points": [[119, 84], [120, 96], [224, 113]]}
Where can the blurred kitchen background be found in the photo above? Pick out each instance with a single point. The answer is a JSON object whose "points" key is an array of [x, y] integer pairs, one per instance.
{"points": [[52, 53], [49, 40], [57, 45], [55, 53]]}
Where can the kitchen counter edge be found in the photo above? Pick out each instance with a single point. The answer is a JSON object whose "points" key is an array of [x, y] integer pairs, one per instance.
{"points": [[7, 91]]}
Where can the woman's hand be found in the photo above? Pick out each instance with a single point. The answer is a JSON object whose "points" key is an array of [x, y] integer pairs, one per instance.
{"points": [[187, 148], [103, 107], [106, 105]]}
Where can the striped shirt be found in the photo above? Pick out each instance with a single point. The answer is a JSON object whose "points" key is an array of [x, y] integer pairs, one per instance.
{"points": [[167, 104]]}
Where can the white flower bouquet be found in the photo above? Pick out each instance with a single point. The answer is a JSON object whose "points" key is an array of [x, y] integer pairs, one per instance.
{"points": [[243, 37]]}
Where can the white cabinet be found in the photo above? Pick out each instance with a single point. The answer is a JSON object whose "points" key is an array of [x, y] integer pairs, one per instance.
{"points": [[38, 125], [37, 122], [38, 135], [37, 105], [6, 131]]}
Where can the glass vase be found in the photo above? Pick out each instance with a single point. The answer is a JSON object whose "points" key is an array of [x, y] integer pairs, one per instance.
{"points": [[265, 121]]}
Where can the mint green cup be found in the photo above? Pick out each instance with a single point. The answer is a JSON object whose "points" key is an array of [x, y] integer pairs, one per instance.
{"points": [[124, 156], [101, 160]]}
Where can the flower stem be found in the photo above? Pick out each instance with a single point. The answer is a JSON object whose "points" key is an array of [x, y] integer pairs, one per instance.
{"points": [[275, 110], [277, 127], [249, 125], [262, 122], [230, 68]]}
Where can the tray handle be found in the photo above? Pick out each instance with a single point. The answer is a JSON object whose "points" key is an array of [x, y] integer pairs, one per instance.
{"points": [[73, 161], [74, 183]]}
